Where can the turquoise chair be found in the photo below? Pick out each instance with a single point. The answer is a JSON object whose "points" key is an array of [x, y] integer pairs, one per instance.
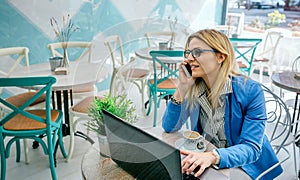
{"points": [[20, 123], [244, 52], [163, 83]]}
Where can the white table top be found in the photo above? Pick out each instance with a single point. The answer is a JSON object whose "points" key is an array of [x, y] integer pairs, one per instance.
{"points": [[79, 73]]}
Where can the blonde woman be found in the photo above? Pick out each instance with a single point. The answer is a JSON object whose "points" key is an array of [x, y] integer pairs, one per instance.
{"points": [[228, 109]]}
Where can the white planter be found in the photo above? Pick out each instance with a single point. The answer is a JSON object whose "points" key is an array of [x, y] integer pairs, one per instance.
{"points": [[103, 145]]}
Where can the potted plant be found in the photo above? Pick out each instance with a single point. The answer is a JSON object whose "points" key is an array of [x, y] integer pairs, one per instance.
{"points": [[117, 105], [63, 34]]}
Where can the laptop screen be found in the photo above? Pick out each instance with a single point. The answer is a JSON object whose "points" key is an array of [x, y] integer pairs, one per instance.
{"points": [[139, 153]]}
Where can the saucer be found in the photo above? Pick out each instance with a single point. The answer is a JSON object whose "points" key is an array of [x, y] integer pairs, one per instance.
{"points": [[179, 144]]}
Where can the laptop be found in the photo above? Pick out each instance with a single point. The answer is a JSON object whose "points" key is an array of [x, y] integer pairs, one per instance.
{"points": [[143, 155]]}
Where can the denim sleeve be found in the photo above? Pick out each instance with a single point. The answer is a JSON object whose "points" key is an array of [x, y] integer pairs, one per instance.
{"points": [[174, 117]]}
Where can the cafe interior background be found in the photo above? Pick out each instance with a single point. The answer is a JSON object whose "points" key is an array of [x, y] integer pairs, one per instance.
{"points": [[27, 23]]}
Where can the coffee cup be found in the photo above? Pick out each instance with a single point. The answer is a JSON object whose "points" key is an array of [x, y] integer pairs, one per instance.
{"points": [[193, 140]]}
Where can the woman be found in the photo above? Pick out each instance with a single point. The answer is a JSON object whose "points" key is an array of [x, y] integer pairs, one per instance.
{"points": [[225, 107]]}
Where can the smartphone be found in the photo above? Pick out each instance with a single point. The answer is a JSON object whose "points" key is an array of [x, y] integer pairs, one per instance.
{"points": [[187, 70]]}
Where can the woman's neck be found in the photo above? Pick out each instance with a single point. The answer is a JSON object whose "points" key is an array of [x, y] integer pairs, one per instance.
{"points": [[210, 80]]}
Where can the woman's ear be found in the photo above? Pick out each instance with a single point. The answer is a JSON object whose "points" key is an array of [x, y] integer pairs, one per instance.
{"points": [[221, 57]]}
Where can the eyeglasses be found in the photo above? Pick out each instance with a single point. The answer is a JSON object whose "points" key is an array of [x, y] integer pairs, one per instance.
{"points": [[197, 52]]}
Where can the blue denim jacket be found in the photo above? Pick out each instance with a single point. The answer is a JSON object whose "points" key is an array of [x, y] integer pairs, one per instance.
{"points": [[245, 119]]}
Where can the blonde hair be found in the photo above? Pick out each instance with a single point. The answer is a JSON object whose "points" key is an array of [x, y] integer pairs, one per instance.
{"points": [[220, 42]]}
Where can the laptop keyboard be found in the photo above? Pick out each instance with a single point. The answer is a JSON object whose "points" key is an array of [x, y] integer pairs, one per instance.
{"points": [[189, 177]]}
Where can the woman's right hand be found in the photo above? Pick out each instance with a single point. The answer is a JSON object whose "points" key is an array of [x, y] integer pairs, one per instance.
{"points": [[184, 82], [198, 161]]}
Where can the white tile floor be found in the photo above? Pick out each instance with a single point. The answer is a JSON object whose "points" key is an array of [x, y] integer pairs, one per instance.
{"points": [[38, 168]]}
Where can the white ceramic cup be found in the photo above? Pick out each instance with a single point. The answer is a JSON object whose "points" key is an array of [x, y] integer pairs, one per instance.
{"points": [[191, 139]]}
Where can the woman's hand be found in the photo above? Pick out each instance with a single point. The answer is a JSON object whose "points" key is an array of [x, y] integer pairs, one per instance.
{"points": [[184, 82], [193, 160]]}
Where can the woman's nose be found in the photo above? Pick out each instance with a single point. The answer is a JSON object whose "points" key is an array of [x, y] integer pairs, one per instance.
{"points": [[190, 58]]}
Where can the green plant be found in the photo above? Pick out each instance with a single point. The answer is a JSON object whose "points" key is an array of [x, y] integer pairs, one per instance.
{"points": [[276, 18], [117, 105]]}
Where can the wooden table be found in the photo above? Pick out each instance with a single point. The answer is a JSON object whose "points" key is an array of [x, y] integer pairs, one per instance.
{"points": [[94, 166]]}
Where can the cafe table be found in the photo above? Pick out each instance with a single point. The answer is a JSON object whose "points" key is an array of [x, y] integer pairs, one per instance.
{"points": [[80, 73], [286, 80], [94, 166]]}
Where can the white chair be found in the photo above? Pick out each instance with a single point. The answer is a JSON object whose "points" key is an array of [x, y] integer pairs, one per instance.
{"points": [[80, 111], [123, 71], [236, 20], [279, 129], [153, 38], [22, 52], [18, 99], [82, 50], [266, 57], [86, 46]]}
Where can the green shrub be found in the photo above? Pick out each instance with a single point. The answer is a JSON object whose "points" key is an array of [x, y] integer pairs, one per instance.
{"points": [[117, 105]]}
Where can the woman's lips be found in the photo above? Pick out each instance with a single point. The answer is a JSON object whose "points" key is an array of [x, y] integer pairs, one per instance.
{"points": [[194, 66]]}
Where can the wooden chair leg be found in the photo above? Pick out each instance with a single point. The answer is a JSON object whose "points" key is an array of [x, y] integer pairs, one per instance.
{"points": [[155, 110], [3, 160], [18, 151], [27, 158], [51, 156], [72, 138]]}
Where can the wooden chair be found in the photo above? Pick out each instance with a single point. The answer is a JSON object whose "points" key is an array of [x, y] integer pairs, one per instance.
{"points": [[164, 81], [153, 40], [21, 123], [21, 52], [237, 20], [266, 57], [123, 71], [81, 48], [244, 52], [17, 100], [79, 113]]}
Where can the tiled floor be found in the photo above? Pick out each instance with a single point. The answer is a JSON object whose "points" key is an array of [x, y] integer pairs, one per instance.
{"points": [[38, 168]]}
